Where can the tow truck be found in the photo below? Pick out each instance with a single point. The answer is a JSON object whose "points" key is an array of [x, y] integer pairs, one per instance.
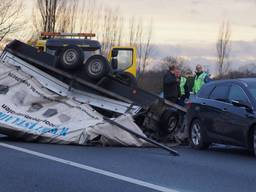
{"points": [[75, 67]]}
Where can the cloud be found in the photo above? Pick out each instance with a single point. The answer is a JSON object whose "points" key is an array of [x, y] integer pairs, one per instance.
{"points": [[242, 54], [196, 2], [194, 12]]}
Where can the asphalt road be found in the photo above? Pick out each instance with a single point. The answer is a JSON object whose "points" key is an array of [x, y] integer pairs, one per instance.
{"points": [[32, 167]]}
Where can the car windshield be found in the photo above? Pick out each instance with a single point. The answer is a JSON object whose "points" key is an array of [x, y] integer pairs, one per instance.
{"points": [[252, 88]]}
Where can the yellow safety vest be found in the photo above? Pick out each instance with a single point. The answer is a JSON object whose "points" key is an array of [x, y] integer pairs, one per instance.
{"points": [[199, 82], [183, 81]]}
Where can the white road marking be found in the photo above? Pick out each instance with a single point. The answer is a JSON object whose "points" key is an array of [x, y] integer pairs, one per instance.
{"points": [[91, 169]]}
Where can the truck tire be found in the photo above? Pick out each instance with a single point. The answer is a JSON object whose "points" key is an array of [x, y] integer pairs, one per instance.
{"points": [[169, 121], [97, 67], [71, 57]]}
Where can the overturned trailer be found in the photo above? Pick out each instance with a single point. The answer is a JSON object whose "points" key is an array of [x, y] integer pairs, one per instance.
{"points": [[108, 98]]}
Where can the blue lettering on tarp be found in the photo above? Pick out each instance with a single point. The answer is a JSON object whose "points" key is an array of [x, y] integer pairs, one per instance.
{"points": [[16, 120], [23, 123], [64, 131], [8, 119], [3, 116], [32, 125], [54, 131], [46, 130], [20, 123], [29, 125]]}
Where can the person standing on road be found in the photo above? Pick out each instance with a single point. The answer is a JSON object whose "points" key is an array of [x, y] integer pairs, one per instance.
{"points": [[171, 85], [190, 80], [201, 78], [183, 89]]}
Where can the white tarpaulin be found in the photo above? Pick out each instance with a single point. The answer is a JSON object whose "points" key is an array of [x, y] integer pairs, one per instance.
{"points": [[31, 112]]}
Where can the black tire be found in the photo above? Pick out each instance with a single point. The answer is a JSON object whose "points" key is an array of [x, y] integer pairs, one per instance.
{"points": [[71, 57], [197, 136], [127, 78], [97, 67], [169, 121]]}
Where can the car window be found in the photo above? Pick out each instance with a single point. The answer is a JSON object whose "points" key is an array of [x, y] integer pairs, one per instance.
{"points": [[252, 88], [220, 93], [124, 58], [206, 91], [237, 94]]}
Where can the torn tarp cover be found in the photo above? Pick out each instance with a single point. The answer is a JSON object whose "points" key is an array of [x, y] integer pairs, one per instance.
{"points": [[32, 112]]}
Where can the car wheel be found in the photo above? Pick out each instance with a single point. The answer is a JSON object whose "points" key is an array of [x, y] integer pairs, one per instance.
{"points": [[196, 136], [71, 57], [97, 67]]}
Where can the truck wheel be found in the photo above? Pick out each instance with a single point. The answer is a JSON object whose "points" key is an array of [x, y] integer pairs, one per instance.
{"points": [[197, 136], [71, 57], [97, 67], [169, 121]]}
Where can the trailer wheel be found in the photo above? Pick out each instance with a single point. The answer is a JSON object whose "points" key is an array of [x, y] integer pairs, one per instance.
{"points": [[71, 57], [97, 67]]}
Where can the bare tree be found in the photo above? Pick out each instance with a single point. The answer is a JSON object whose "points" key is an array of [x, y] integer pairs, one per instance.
{"points": [[145, 55], [90, 15], [105, 22], [111, 30], [73, 14], [141, 40], [223, 46], [10, 11], [180, 62], [67, 18], [47, 13]]}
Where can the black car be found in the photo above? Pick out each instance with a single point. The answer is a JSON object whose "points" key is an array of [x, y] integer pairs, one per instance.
{"points": [[224, 112]]}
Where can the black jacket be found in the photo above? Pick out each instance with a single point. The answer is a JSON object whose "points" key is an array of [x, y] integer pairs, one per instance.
{"points": [[170, 86], [187, 91]]}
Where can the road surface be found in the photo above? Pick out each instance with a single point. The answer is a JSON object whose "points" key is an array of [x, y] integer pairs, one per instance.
{"points": [[32, 167]]}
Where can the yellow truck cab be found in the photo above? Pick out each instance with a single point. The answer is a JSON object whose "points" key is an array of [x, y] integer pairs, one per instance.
{"points": [[125, 57], [39, 44]]}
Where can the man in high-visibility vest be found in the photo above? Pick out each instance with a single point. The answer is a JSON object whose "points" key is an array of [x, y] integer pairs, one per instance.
{"points": [[201, 78], [183, 88]]}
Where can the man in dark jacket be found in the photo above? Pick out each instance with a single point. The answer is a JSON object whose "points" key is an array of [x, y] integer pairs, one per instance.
{"points": [[171, 85]]}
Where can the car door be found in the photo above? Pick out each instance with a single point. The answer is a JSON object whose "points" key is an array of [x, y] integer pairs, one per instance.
{"points": [[215, 105], [236, 118]]}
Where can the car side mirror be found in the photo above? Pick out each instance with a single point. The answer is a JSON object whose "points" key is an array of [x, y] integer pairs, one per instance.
{"points": [[114, 63], [114, 53]]}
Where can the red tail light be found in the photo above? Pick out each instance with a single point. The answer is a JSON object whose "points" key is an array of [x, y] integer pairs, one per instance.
{"points": [[188, 104]]}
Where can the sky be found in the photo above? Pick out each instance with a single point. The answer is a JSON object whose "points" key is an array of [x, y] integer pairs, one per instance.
{"points": [[192, 21], [190, 28]]}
